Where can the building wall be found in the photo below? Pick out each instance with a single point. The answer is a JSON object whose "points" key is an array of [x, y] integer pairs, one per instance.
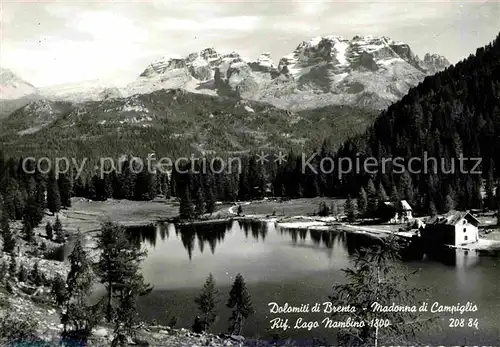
{"points": [[437, 235], [465, 233], [405, 216]]}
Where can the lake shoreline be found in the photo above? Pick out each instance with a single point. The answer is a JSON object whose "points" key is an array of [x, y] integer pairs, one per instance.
{"points": [[86, 216]]}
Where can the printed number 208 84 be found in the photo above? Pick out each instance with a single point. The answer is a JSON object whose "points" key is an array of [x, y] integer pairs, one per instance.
{"points": [[462, 322]]}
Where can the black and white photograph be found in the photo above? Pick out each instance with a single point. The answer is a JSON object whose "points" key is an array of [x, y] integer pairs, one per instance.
{"points": [[249, 173]]}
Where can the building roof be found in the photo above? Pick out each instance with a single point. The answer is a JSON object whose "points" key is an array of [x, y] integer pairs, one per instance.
{"points": [[452, 218], [403, 205]]}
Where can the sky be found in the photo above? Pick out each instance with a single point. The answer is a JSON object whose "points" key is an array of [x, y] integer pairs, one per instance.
{"points": [[56, 42]]}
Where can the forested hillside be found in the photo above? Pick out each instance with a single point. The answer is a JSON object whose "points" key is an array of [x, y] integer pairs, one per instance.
{"points": [[170, 123], [455, 112]]}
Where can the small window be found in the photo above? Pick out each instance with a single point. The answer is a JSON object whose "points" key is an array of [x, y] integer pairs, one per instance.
{"points": [[465, 238], [465, 230], [465, 222]]}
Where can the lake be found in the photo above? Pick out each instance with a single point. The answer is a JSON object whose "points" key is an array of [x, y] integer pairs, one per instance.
{"points": [[298, 267]]}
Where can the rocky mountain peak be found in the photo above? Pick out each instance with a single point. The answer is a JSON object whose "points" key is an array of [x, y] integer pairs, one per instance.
{"points": [[198, 65], [265, 59], [6, 75], [210, 54], [14, 87], [371, 71], [435, 63]]}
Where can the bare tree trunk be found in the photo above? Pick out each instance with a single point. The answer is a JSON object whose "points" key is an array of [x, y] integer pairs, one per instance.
{"points": [[109, 308], [376, 322], [238, 324]]}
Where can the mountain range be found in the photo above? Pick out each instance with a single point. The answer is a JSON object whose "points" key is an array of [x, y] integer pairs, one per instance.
{"points": [[329, 88], [365, 71], [171, 123], [12, 87]]}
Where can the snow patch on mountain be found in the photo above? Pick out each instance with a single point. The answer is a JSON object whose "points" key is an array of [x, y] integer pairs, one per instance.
{"points": [[265, 60], [366, 71]]}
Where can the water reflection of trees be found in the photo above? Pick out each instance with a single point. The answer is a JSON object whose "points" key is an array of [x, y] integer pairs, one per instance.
{"points": [[320, 238], [142, 234], [356, 242], [214, 233], [258, 229], [210, 234], [352, 242]]}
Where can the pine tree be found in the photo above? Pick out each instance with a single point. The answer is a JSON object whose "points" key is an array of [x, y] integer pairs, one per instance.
{"points": [[323, 209], [362, 202], [118, 269], [22, 275], [53, 194], [228, 192], [95, 189], [166, 186], [173, 187], [29, 233], [13, 203], [12, 267], [31, 212], [79, 280], [377, 277], [39, 202], [79, 317], [432, 208], [49, 232], [395, 196], [162, 185], [210, 200], [199, 203], [145, 186], [300, 191], [79, 188], [381, 194], [91, 190], [9, 240], [128, 180], [101, 192], [350, 209], [172, 322], [36, 276], [334, 210], [207, 301], [372, 198], [65, 189], [449, 203], [256, 178], [111, 242], [241, 303], [406, 187], [107, 182], [58, 230], [58, 290], [244, 186], [186, 206]]}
